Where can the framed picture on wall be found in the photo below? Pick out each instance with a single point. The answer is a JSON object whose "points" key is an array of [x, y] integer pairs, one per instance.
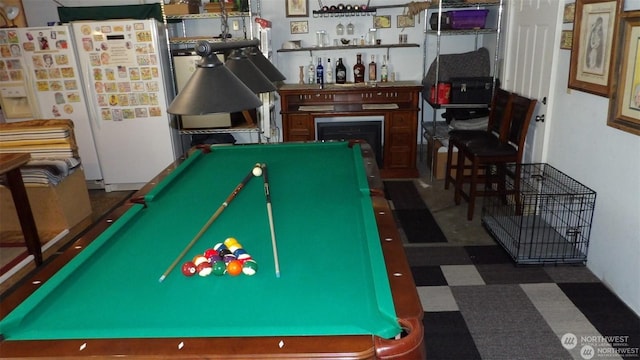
{"points": [[624, 106], [566, 39], [593, 29], [569, 13], [382, 22], [299, 27], [405, 21], [297, 8]]}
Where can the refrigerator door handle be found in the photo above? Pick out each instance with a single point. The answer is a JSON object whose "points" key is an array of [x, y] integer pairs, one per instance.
{"points": [[93, 116], [31, 95]]}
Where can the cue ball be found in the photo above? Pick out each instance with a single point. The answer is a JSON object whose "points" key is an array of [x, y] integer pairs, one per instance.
{"points": [[257, 171]]}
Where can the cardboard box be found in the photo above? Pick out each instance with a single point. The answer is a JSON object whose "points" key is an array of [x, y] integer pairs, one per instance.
{"points": [[54, 208], [182, 9], [215, 7], [438, 152]]}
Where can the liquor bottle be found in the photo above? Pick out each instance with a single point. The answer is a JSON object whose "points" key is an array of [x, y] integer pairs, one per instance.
{"points": [[373, 69], [311, 73], [341, 72], [329, 72], [358, 70], [384, 71], [320, 73]]}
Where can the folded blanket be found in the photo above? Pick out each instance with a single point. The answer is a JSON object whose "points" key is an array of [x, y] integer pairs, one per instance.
{"points": [[47, 171], [480, 123]]}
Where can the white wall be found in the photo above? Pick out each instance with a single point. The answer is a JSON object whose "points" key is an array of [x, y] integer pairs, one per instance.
{"points": [[289, 62], [608, 161]]}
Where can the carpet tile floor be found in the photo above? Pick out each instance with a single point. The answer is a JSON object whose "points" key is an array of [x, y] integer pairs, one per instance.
{"points": [[477, 306]]}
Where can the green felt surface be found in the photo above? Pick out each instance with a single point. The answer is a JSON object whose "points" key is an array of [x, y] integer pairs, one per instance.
{"points": [[333, 278]]}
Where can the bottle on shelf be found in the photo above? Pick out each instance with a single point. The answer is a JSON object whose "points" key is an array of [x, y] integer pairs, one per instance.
{"points": [[373, 69], [311, 73], [350, 29], [329, 72], [320, 73], [384, 71], [341, 72], [358, 70]]}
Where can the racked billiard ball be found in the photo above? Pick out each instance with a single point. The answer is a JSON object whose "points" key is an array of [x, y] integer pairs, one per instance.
{"points": [[219, 268], [210, 252], [204, 269], [189, 268], [199, 259], [250, 267], [234, 268]]}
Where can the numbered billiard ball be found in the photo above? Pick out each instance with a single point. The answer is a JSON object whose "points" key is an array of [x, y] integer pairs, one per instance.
{"points": [[234, 268], [209, 253], [199, 259], [219, 268], [204, 269], [189, 268], [250, 267]]}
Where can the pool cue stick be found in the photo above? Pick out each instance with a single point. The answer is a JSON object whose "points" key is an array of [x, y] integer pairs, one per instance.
{"points": [[213, 218], [267, 195]]}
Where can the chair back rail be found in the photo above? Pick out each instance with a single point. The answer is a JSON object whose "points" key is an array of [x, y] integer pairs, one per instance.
{"points": [[522, 109], [499, 115]]}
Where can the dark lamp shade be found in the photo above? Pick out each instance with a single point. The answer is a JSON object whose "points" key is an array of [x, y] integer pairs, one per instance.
{"points": [[248, 73], [213, 89], [264, 65]]}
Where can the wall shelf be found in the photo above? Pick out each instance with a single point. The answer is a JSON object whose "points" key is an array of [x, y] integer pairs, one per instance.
{"points": [[461, 32], [349, 47], [455, 106], [177, 18], [192, 40], [236, 129], [344, 13]]}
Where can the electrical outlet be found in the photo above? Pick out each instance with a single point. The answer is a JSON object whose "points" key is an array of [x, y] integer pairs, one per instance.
{"points": [[235, 25]]}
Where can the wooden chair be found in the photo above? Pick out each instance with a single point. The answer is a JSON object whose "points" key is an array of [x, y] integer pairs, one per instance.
{"points": [[498, 151], [498, 124]]}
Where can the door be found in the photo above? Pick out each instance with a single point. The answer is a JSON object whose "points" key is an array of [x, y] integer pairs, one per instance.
{"points": [[531, 50]]}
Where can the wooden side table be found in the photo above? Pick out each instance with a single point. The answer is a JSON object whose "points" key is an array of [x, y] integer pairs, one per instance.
{"points": [[10, 164]]}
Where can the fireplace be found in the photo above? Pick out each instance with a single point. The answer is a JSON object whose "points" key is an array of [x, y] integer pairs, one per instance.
{"points": [[370, 131]]}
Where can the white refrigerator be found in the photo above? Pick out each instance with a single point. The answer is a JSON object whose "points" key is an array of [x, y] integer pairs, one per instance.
{"points": [[128, 83], [113, 79], [39, 79]]}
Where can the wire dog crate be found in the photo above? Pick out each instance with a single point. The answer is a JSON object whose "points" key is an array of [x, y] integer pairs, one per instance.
{"points": [[545, 217]]}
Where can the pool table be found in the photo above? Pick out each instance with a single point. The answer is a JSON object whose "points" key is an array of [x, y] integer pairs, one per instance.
{"points": [[345, 289]]}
